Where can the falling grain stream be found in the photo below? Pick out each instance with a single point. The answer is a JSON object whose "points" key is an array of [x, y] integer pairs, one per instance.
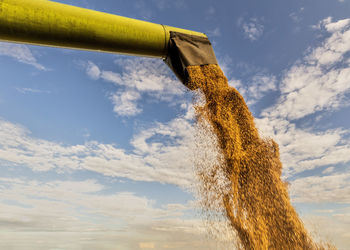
{"points": [[257, 204]]}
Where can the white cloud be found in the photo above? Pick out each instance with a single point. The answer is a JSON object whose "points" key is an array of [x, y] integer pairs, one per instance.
{"points": [[320, 81], [168, 161], [125, 103], [335, 47], [69, 214], [149, 75], [115, 78], [261, 84], [21, 53], [40, 205], [92, 70], [317, 189], [334, 26], [320, 25], [253, 28], [139, 77]]}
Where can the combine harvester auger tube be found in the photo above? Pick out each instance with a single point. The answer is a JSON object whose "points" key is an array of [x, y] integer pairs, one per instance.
{"points": [[42, 22]]}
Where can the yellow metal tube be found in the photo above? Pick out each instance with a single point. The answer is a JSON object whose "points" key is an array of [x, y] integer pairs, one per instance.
{"points": [[43, 22]]}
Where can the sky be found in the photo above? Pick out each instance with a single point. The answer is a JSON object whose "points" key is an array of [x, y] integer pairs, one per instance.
{"points": [[96, 149]]}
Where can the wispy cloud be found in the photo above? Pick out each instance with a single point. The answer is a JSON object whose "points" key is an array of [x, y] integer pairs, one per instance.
{"points": [[148, 9], [165, 4], [92, 70], [30, 90], [210, 11], [214, 32], [296, 16], [21, 53], [253, 28]]}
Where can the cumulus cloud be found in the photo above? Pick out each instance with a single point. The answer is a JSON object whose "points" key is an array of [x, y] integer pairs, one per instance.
{"points": [[20, 53], [139, 77], [320, 81], [253, 28]]}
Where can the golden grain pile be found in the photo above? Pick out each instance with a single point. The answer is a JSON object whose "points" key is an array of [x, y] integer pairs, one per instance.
{"points": [[257, 203]]}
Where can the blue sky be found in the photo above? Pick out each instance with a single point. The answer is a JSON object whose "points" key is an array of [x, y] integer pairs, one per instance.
{"points": [[96, 150]]}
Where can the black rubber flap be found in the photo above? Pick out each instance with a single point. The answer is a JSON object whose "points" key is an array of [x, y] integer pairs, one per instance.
{"points": [[188, 50]]}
